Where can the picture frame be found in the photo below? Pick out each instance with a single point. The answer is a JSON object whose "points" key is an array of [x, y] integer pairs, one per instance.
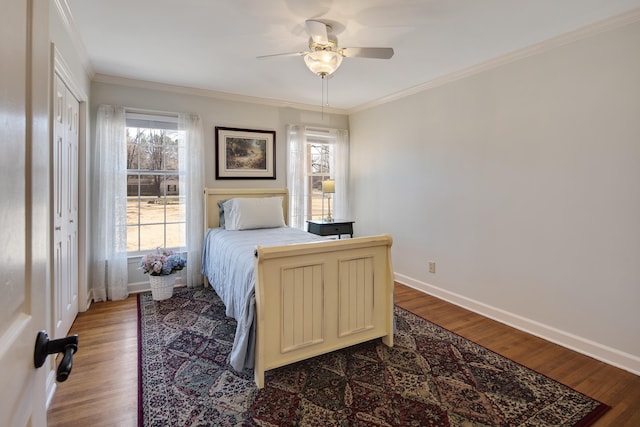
{"points": [[245, 153]]}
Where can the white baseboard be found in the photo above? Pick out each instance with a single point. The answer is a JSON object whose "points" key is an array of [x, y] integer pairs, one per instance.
{"points": [[86, 304], [606, 354]]}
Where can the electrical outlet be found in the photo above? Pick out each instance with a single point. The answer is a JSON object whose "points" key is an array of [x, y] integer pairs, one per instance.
{"points": [[432, 266]]}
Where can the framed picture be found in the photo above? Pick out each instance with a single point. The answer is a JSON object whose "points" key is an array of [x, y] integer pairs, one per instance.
{"points": [[245, 153]]}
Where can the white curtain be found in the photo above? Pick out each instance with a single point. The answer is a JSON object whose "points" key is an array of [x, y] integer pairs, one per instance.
{"points": [[296, 179], [192, 182], [109, 206], [341, 204]]}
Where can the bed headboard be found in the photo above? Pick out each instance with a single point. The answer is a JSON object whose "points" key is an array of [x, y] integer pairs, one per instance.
{"points": [[213, 195]]}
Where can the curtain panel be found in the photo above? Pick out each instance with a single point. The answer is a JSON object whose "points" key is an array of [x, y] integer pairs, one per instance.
{"points": [[192, 180], [296, 178], [341, 199], [109, 278]]}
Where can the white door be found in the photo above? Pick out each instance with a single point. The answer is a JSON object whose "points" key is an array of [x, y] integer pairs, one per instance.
{"points": [[65, 208], [24, 208]]}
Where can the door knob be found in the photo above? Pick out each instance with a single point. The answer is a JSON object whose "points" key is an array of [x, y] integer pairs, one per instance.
{"points": [[45, 346]]}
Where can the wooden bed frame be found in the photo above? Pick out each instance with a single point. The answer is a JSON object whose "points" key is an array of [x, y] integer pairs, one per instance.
{"points": [[314, 298]]}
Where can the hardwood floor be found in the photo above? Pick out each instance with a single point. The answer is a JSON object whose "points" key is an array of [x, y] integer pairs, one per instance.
{"points": [[102, 389]]}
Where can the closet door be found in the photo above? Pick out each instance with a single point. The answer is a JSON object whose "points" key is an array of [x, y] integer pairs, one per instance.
{"points": [[65, 208]]}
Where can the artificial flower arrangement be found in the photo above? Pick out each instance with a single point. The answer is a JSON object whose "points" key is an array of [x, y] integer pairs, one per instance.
{"points": [[162, 263]]}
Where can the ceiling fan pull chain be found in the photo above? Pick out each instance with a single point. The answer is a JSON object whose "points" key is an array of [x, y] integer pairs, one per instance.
{"points": [[327, 91], [322, 100]]}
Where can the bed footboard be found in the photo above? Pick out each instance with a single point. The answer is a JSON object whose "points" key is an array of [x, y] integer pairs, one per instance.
{"points": [[314, 298]]}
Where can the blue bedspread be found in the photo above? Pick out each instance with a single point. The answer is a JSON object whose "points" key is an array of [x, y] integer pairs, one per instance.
{"points": [[227, 262]]}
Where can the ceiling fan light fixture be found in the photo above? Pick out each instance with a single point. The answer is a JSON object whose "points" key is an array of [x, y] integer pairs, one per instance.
{"points": [[323, 62]]}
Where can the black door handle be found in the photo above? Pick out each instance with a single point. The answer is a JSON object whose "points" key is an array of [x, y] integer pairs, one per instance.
{"points": [[45, 346]]}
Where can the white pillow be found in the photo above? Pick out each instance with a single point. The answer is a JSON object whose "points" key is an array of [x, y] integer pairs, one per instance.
{"points": [[253, 212]]}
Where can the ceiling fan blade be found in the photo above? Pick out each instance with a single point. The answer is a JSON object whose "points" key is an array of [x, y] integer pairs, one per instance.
{"points": [[367, 52], [282, 54], [318, 31]]}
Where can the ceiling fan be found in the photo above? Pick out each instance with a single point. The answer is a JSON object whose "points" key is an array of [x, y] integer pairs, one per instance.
{"points": [[325, 56]]}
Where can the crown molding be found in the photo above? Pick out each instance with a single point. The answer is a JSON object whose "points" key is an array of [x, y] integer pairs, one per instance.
{"points": [[608, 24], [64, 12], [185, 90], [61, 68]]}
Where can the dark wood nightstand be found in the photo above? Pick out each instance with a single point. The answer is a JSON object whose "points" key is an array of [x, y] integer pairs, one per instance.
{"points": [[334, 228]]}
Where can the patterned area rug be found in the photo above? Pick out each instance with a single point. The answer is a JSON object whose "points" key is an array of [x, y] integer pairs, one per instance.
{"points": [[431, 377]]}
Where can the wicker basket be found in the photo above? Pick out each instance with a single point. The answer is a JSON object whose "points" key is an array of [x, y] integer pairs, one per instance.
{"points": [[162, 286]]}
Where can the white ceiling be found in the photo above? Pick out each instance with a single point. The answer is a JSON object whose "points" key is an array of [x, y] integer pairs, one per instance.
{"points": [[213, 44]]}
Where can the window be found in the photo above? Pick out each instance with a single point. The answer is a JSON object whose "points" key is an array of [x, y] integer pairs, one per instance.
{"points": [[315, 155], [320, 162], [155, 205]]}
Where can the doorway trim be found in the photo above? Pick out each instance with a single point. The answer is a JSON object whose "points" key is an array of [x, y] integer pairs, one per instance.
{"points": [[62, 69]]}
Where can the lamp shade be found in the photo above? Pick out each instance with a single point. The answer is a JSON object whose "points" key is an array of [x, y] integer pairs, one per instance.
{"points": [[323, 62], [329, 186]]}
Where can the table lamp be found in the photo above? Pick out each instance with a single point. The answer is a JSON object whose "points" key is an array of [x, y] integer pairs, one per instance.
{"points": [[328, 187]]}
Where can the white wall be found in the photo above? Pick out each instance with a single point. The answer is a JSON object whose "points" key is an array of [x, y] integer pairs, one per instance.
{"points": [[213, 112], [522, 183]]}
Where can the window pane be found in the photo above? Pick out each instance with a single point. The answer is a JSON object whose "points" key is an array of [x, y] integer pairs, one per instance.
{"points": [[175, 209], [151, 237], [133, 183], [316, 183], [154, 148], [172, 185], [152, 210], [132, 238], [316, 205], [171, 155], [318, 209], [133, 209], [320, 159], [152, 185], [132, 153], [176, 235]]}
